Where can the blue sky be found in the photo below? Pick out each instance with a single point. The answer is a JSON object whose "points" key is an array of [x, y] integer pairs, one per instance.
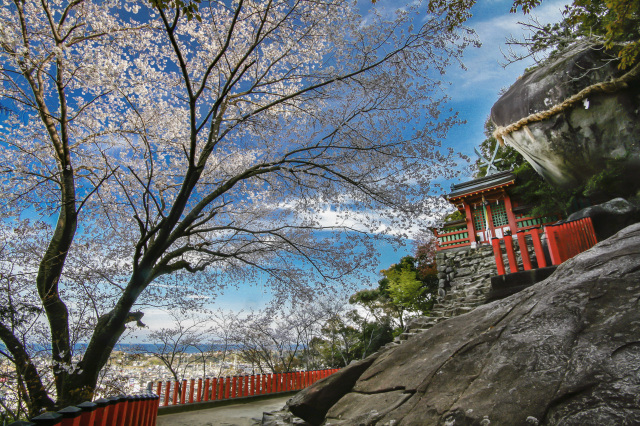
{"points": [[472, 93]]}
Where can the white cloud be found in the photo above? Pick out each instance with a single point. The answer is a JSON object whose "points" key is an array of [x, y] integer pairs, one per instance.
{"points": [[485, 76]]}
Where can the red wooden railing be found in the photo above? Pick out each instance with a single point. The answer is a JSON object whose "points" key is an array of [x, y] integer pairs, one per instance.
{"points": [[221, 388], [568, 239], [564, 241], [135, 410]]}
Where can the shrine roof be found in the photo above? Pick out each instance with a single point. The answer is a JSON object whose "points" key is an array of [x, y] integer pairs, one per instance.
{"points": [[483, 184]]}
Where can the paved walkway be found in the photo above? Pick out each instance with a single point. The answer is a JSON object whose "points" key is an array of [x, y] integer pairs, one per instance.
{"points": [[245, 414]]}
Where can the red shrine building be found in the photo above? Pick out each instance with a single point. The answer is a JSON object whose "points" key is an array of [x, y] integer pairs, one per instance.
{"points": [[489, 211]]}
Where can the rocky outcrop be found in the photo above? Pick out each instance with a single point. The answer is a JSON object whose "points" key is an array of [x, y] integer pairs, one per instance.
{"points": [[313, 402], [564, 351], [570, 147]]}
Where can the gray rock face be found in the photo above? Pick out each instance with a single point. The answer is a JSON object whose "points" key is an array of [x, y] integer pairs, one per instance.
{"points": [[564, 351], [570, 147]]}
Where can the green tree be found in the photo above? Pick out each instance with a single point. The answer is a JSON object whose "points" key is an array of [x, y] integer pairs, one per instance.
{"points": [[402, 290], [350, 336], [614, 23]]}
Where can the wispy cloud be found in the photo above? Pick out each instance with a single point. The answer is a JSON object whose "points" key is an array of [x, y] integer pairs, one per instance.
{"points": [[485, 76]]}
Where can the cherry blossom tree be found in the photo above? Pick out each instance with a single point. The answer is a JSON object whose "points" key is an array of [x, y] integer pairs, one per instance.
{"points": [[153, 152]]}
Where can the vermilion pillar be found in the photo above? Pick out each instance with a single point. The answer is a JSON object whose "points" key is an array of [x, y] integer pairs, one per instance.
{"points": [[490, 226], [510, 215], [470, 230]]}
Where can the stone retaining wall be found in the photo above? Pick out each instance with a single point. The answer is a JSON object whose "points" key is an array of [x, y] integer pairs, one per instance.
{"points": [[464, 283], [465, 277]]}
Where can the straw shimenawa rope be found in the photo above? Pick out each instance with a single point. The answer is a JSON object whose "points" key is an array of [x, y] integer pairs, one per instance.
{"points": [[614, 85]]}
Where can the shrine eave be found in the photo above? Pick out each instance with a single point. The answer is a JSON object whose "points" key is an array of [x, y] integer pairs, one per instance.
{"points": [[480, 185]]}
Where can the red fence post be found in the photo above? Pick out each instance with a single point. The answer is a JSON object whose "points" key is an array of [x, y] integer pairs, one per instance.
{"points": [[127, 414], [199, 392], [192, 385], [240, 392], [497, 253], [552, 242], [140, 414], [114, 407], [524, 252], [88, 415], [100, 418], [136, 401], [122, 412], [206, 389], [159, 388], [565, 243], [584, 234], [174, 399], [183, 391], [134, 410], [537, 247], [225, 384], [511, 255], [71, 416], [145, 410], [154, 410], [214, 389], [573, 239]]}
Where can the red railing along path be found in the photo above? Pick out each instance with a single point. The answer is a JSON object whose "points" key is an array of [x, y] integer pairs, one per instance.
{"points": [[223, 388], [134, 410], [564, 241]]}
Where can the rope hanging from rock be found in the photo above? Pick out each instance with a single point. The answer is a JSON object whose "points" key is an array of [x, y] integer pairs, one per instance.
{"points": [[605, 87]]}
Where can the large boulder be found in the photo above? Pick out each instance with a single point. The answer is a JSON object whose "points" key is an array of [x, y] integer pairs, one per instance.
{"points": [[312, 403], [564, 351], [570, 147]]}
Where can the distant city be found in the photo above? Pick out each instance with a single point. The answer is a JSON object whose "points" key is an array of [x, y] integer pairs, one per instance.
{"points": [[132, 368]]}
